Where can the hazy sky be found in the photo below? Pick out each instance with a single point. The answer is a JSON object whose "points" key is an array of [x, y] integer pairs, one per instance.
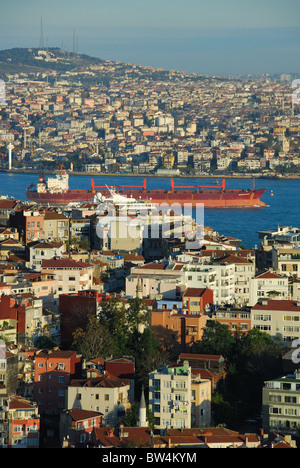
{"points": [[215, 36]]}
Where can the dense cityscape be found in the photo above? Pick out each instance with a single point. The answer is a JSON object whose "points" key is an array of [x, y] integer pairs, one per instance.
{"points": [[107, 117], [125, 324]]}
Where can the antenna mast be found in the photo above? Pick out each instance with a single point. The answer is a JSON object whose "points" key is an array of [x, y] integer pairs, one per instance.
{"points": [[41, 35]]}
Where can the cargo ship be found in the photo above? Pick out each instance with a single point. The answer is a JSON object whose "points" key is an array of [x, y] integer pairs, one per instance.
{"points": [[56, 191]]}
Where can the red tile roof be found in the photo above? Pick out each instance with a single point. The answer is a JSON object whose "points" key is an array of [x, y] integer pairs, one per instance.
{"points": [[105, 381], [64, 263], [80, 414], [194, 292], [273, 304], [268, 274]]}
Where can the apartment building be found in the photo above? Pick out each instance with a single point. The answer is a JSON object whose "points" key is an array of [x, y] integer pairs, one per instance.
{"points": [[268, 285], [196, 301], [55, 226], [39, 251], [220, 278], [76, 427], [278, 318], [153, 280], [236, 318], [281, 404], [106, 394], [6, 207], [71, 276], [8, 370], [286, 260], [294, 286], [170, 394], [200, 401], [53, 372], [4, 419], [244, 269], [29, 221], [177, 331], [21, 318], [24, 423]]}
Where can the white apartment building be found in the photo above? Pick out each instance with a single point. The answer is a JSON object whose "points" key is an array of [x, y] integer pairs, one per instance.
{"points": [[167, 279], [268, 285], [153, 280], [106, 394], [278, 318], [219, 278], [44, 251], [70, 276], [244, 269], [170, 392]]}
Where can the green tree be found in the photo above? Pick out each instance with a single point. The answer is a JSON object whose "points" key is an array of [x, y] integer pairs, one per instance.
{"points": [[137, 313], [257, 358], [44, 342], [217, 339], [94, 340]]}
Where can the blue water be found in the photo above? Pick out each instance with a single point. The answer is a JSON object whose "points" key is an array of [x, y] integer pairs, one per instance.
{"points": [[283, 207]]}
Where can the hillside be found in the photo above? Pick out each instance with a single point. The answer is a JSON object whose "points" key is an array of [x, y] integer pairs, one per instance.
{"points": [[65, 64], [33, 59]]}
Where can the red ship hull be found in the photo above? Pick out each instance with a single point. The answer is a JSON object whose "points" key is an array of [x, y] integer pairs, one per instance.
{"points": [[209, 198]]}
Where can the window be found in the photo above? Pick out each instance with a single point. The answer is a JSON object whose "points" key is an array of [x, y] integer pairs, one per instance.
{"points": [[106, 397], [156, 384], [274, 398], [180, 384], [180, 397], [289, 399], [275, 410]]}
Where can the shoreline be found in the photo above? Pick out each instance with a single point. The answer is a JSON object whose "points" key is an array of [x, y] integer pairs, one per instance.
{"points": [[160, 176]]}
